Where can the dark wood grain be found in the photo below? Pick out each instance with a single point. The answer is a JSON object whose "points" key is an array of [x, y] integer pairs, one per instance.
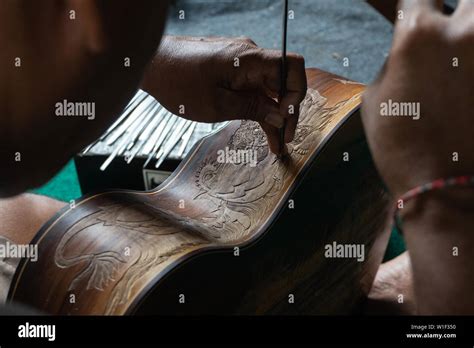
{"points": [[124, 252]]}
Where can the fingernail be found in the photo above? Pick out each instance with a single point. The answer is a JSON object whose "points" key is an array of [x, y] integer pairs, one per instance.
{"points": [[274, 119]]}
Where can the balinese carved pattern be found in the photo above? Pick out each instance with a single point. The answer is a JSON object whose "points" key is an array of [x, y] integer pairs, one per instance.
{"points": [[242, 195], [154, 241], [238, 197], [148, 259]]}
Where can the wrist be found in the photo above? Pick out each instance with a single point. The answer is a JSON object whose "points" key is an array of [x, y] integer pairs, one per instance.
{"points": [[441, 209]]}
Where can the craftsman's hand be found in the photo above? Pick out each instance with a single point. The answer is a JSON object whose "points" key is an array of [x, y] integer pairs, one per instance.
{"points": [[217, 79], [431, 65]]}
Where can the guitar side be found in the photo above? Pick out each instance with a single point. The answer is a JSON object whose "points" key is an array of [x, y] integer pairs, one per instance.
{"points": [[219, 237]]}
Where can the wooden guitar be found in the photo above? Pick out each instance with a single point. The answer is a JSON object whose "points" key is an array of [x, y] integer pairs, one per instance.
{"points": [[227, 236]]}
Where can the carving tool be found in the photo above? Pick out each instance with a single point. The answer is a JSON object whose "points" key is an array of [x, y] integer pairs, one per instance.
{"points": [[168, 131], [146, 134], [131, 132], [171, 135], [144, 123], [146, 129], [186, 137], [283, 76], [150, 144], [172, 143], [137, 114], [162, 138], [129, 115], [131, 106]]}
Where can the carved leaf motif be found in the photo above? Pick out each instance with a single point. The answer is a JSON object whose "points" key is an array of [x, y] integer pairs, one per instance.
{"points": [[101, 266], [241, 189]]}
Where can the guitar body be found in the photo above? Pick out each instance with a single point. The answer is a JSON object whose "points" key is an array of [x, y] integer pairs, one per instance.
{"points": [[226, 238]]}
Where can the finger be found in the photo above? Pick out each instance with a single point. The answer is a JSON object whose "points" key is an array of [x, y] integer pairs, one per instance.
{"points": [[256, 107], [296, 85], [262, 72], [250, 105], [366, 99], [421, 5], [290, 129], [273, 137], [296, 82], [465, 7], [290, 109], [368, 93], [248, 40], [262, 68], [296, 89], [267, 111], [296, 75]]}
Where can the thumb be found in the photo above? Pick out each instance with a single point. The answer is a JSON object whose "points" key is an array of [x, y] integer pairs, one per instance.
{"points": [[256, 107], [273, 138], [251, 106]]}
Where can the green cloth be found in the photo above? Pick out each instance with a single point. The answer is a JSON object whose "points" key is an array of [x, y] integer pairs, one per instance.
{"points": [[396, 246], [65, 187]]}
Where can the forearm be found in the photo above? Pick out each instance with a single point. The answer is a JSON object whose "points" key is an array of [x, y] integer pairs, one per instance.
{"points": [[181, 72], [166, 70], [439, 231]]}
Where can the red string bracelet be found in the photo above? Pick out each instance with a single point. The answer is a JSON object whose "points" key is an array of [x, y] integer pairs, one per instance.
{"points": [[465, 180]]}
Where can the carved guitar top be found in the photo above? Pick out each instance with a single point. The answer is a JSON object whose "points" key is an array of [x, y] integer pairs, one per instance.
{"points": [[242, 195], [107, 249]]}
